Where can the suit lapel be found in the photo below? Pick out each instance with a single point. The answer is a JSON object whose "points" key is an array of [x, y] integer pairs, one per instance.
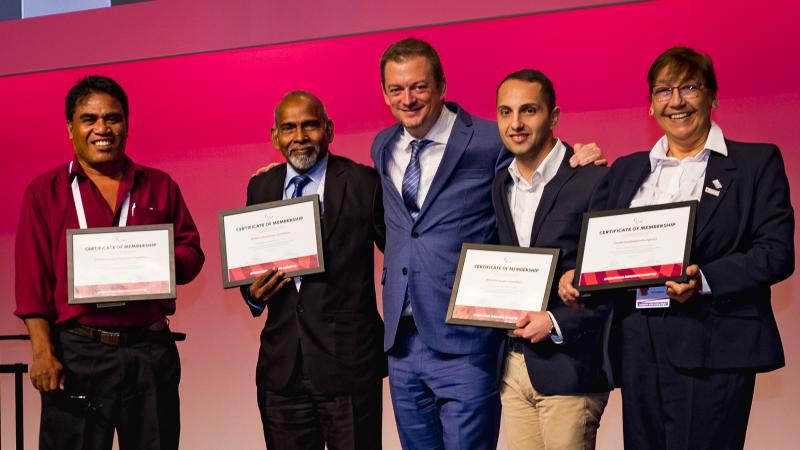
{"points": [[506, 220], [335, 185], [383, 159], [721, 169], [273, 188], [551, 190], [456, 146], [630, 185]]}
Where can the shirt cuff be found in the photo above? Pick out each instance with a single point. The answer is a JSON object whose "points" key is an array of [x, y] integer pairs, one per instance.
{"points": [[557, 338], [705, 289], [255, 306]]}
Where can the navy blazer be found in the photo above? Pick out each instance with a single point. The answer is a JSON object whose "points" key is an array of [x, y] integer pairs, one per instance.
{"points": [[743, 243], [334, 317], [422, 256], [576, 365]]}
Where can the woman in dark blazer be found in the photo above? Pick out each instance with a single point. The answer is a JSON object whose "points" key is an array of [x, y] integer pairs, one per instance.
{"points": [[687, 371]]}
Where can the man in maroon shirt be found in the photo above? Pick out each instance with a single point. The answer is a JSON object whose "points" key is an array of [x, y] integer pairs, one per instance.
{"points": [[100, 369]]}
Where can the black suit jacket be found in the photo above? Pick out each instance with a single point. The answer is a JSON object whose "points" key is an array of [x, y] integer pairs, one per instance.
{"points": [[743, 243], [576, 365], [334, 319]]}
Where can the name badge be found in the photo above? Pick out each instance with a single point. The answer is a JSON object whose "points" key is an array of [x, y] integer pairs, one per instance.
{"points": [[652, 297]]}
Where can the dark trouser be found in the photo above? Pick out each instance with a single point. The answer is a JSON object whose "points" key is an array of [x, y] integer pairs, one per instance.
{"points": [[667, 408], [300, 417], [133, 389]]}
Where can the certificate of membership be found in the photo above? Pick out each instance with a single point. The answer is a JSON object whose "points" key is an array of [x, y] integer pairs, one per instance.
{"points": [[285, 234], [634, 247], [108, 265], [497, 285]]}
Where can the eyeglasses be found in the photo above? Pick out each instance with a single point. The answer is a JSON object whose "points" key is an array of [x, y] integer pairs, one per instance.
{"points": [[687, 91]]}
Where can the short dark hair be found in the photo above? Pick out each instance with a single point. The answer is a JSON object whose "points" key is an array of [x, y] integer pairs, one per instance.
{"points": [[684, 61], [534, 76], [410, 48], [91, 85]]}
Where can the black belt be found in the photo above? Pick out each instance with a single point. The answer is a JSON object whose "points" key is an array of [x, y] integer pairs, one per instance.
{"points": [[407, 324], [125, 336], [516, 344]]}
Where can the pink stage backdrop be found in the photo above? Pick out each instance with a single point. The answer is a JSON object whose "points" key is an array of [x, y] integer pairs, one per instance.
{"points": [[205, 120]]}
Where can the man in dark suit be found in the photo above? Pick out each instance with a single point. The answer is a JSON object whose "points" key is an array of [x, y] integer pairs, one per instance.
{"points": [[553, 390], [687, 372], [436, 166], [321, 363]]}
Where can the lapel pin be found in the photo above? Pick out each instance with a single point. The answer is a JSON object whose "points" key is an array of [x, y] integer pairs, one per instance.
{"points": [[717, 184], [712, 191]]}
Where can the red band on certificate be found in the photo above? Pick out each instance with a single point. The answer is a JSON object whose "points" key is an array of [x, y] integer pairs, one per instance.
{"points": [[117, 289], [637, 273], [487, 314], [286, 265]]}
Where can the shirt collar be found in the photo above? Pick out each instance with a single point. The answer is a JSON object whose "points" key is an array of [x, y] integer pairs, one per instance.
{"points": [[715, 142], [316, 172], [439, 133], [76, 169], [547, 169]]}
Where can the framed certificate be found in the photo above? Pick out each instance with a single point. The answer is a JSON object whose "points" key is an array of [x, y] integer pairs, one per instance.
{"points": [[633, 247], [112, 265], [285, 234], [497, 285]]}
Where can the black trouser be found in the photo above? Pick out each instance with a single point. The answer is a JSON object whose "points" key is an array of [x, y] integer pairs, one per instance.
{"points": [[131, 388], [668, 408], [300, 417]]}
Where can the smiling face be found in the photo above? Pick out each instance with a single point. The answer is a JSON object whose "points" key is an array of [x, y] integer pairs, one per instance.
{"points": [[685, 121], [99, 130], [411, 91], [302, 132], [525, 124]]}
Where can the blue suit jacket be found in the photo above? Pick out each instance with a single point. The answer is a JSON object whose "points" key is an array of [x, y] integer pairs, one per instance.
{"points": [[422, 256], [743, 243], [575, 366]]}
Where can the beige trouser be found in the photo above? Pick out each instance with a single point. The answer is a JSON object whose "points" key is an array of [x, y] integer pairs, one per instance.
{"points": [[548, 422]]}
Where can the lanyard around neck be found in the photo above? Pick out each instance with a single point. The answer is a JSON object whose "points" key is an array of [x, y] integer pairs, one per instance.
{"points": [[76, 198]]}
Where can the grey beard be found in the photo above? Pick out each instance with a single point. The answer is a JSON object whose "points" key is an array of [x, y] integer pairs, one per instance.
{"points": [[301, 163]]}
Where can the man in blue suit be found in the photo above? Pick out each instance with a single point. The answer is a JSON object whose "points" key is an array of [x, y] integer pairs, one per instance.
{"points": [[436, 166]]}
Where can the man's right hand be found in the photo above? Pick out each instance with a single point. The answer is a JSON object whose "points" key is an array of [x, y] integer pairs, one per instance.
{"points": [[263, 169], [47, 373], [267, 285]]}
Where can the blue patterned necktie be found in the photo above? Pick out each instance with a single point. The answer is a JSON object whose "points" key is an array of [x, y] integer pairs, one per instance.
{"points": [[299, 182], [410, 186]]}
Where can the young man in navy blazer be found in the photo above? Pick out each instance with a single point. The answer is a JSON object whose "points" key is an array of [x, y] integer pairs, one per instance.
{"points": [[553, 389], [436, 166]]}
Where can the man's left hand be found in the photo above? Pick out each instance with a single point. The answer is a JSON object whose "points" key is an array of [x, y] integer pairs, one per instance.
{"points": [[681, 292], [535, 326], [586, 154]]}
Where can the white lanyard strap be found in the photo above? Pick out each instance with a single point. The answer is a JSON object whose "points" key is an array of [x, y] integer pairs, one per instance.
{"points": [[76, 198]]}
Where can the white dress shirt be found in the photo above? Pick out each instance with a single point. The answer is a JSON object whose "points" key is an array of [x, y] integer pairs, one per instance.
{"points": [[429, 157], [523, 201], [677, 180]]}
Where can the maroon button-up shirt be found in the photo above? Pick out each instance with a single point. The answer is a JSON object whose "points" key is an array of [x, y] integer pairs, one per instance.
{"points": [[41, 247]]}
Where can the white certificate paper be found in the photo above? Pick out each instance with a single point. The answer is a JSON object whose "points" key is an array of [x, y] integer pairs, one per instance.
{"points": [[285, 234], [498, 285], [107, 265], [635, 246]]}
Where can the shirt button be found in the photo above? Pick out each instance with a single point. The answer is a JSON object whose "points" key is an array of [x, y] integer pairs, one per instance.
{"points": [[300, 309], [405, 271]]}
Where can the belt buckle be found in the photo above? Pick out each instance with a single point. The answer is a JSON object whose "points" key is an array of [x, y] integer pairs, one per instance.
{"points": [[113, 338]]}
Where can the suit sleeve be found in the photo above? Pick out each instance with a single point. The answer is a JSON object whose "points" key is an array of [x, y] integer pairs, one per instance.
{"points": [[770, 257], [377, 212]]}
